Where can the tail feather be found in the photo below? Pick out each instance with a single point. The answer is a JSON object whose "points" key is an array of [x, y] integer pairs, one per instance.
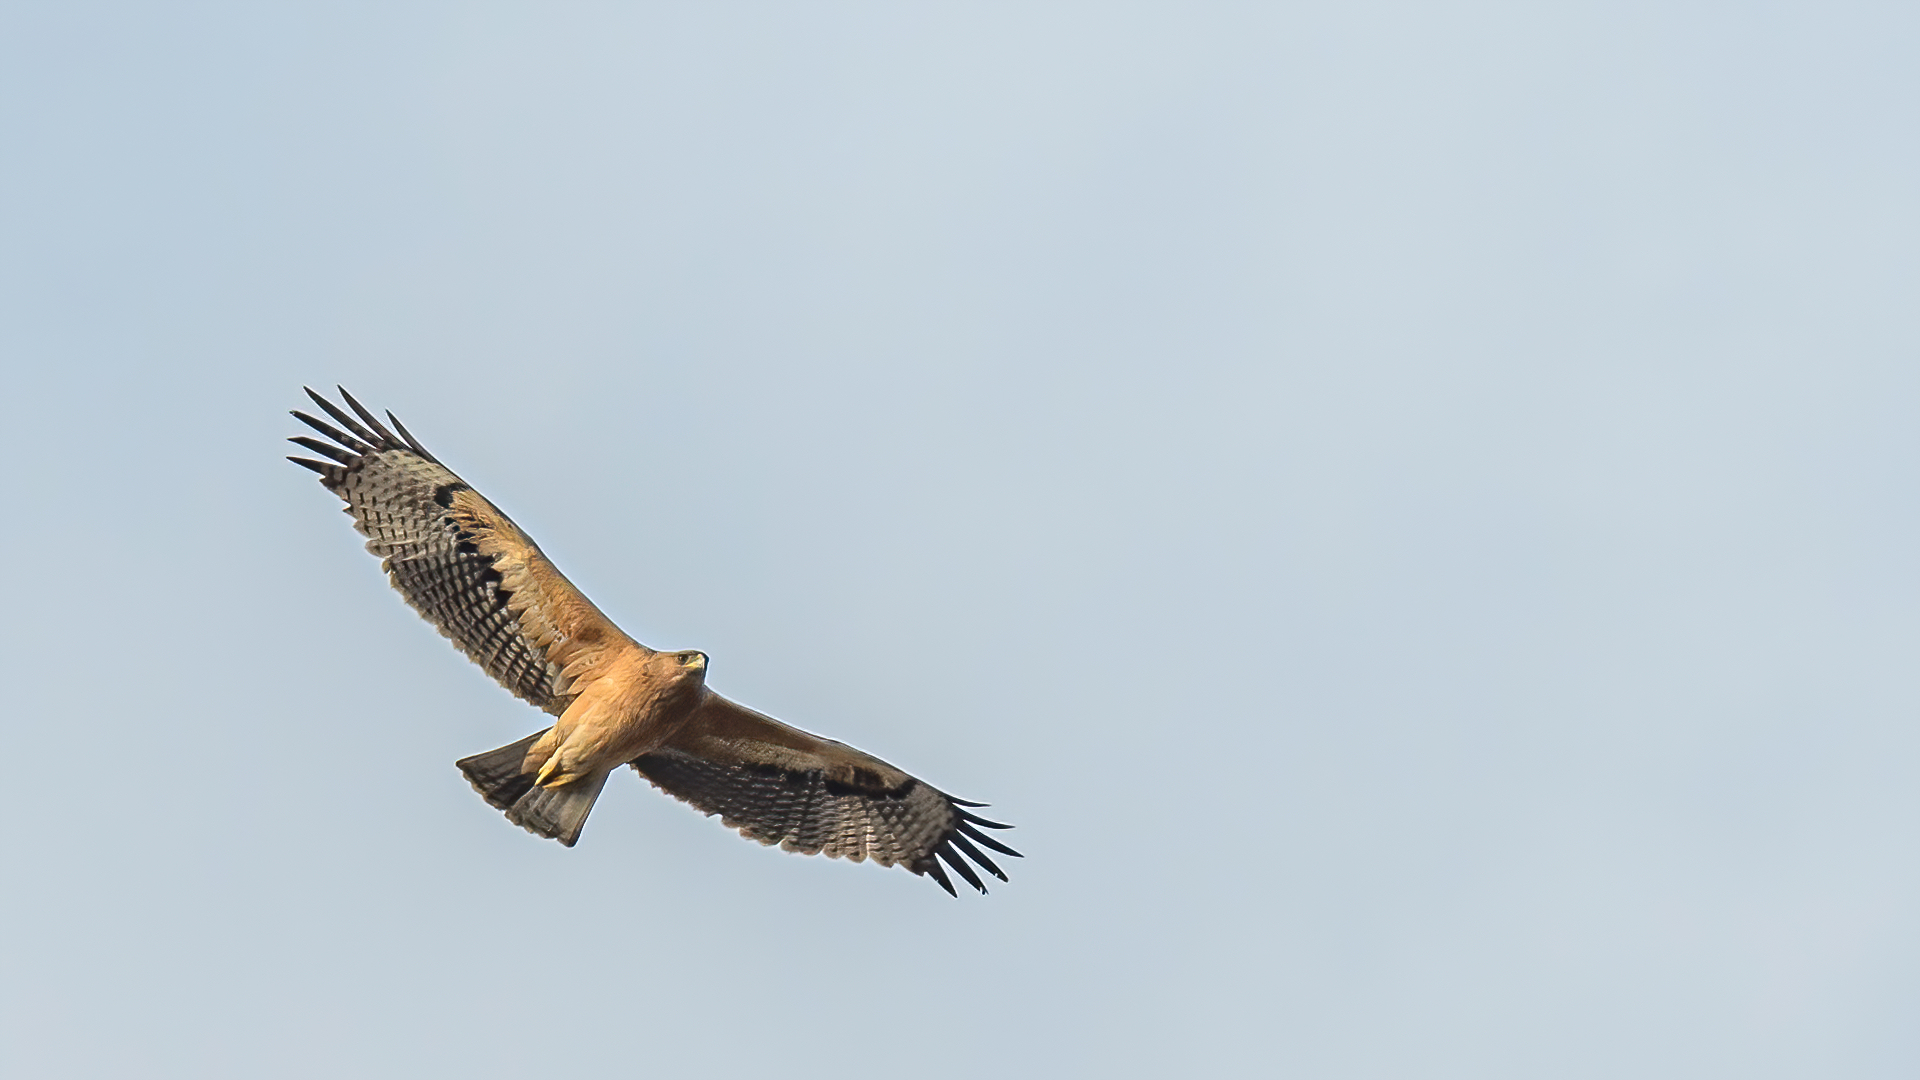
{"points": [[496, 774], [557, 813]]}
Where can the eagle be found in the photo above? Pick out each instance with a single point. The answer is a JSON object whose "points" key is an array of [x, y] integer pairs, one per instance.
{"points": [[472, 573]]}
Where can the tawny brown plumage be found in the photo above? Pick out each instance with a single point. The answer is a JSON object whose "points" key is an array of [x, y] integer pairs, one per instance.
{"points": [[470, 571]]}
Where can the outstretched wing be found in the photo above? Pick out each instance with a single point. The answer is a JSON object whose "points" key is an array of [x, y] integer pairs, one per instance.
{"points": [[780, 785], [460, 562]]}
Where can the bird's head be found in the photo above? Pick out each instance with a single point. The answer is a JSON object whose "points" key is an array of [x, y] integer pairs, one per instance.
{"points": [[690, 664], [678, 676]]}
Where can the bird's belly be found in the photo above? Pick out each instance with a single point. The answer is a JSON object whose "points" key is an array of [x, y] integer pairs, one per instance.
{"points": [[591, 747], [603, 739]]}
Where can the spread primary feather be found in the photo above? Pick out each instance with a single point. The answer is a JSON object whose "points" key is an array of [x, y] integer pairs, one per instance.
{"points": [[472, 573]]}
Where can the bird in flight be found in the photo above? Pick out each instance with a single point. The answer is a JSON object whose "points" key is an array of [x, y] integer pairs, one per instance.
{"points": [[470, 571]]}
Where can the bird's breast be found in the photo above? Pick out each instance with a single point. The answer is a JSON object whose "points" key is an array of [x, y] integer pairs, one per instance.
{"points": [[625, 712]]}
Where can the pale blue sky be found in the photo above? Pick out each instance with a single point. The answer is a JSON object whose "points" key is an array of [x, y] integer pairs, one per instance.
{"points": [[1410, 508]]}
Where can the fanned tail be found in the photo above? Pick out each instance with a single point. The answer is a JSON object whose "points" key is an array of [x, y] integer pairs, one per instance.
{"points": [[502, 778], [497, 774], [558, 813]]}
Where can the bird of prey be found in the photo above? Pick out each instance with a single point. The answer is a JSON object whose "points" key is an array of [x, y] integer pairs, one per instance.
{"points": [[470, 571]]}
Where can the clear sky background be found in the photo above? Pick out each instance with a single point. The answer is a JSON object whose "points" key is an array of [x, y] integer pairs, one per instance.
{"points": [[1412, 509]]}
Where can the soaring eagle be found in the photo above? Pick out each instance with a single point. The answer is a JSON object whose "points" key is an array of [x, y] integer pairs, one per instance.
{"points": [[470, 571]]}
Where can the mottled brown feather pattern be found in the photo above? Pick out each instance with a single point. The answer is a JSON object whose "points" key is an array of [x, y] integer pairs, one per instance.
{"points": [[471, 572], [455, 558], [780, 785]]}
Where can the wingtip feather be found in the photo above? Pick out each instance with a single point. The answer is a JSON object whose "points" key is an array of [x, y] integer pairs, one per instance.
{"points": [[344, 419], [960, 866], [930, 867], [388, 441], [332, 432], [966, 829], [412, 442], [980, 821], [321, 467], [977, 855], [344, 457]]}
